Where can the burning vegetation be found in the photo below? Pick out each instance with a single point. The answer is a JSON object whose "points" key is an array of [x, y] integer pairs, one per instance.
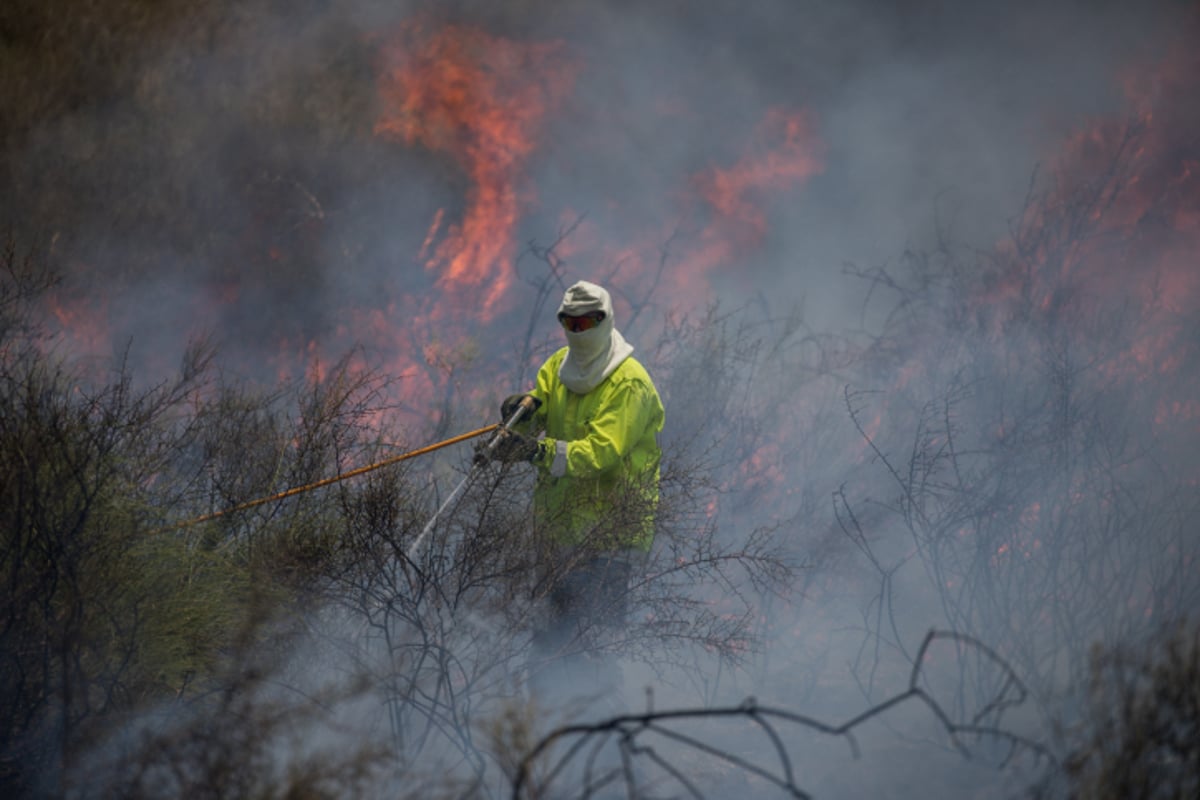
{"points": [[952, 490]]}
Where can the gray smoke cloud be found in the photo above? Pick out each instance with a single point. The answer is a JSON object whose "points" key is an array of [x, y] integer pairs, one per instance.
{"points": [[249, 170]]}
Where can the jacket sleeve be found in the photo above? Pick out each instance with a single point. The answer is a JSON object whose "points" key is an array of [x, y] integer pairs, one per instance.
{"points": [[532, 425], [542, 391], [612, 433]]}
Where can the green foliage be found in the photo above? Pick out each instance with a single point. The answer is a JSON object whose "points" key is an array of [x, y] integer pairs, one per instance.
{"points": [[194, 600], [95, 612], [104, 610]]}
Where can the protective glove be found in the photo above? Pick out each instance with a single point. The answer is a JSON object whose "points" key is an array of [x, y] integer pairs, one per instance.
{"points": [[511, 447], [509, 406]]}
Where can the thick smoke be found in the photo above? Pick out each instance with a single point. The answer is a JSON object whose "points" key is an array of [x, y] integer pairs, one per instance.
{"points": [[228, 175]]}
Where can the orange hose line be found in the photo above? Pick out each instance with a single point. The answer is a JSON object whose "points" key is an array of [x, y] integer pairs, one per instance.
{"points": [[354, 473]]}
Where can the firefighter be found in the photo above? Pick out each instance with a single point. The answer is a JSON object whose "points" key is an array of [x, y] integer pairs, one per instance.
{"points": [[597, 464]]}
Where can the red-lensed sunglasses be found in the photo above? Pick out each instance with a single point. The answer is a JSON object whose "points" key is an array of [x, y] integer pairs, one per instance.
{"points": [[584, 323]]}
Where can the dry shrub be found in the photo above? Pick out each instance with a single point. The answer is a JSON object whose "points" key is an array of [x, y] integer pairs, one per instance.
{"points": [[1143, 723]]}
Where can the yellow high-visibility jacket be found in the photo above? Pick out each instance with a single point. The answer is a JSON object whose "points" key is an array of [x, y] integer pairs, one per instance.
{"points": [[598, 466]]}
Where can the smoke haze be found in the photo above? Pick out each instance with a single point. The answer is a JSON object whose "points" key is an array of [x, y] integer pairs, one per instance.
{"points": [[226, 173], [290, 179]]}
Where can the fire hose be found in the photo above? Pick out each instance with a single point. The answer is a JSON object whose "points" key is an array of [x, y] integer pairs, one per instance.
{"points": [[528, 403], [499, 429]]}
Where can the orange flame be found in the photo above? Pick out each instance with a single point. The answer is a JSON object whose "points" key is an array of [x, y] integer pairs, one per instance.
{"points": [[480, 100], [83, 322], [783, 153], [723, 208], [1116, 236]]}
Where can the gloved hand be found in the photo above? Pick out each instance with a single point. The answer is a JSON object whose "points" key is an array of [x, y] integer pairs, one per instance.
{"points": [[511, 447], [509, 406]]}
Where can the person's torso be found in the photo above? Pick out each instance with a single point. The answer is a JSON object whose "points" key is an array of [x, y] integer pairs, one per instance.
{"points": [[579, 502]]}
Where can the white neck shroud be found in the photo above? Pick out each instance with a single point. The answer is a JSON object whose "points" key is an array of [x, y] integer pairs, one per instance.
{"points": [[592, 355]]}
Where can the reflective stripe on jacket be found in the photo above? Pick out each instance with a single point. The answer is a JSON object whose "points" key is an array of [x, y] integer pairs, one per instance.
{"points": [[598, 468]]}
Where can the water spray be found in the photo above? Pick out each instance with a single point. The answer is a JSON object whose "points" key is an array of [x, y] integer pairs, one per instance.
{"points": [[528, 404]]}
